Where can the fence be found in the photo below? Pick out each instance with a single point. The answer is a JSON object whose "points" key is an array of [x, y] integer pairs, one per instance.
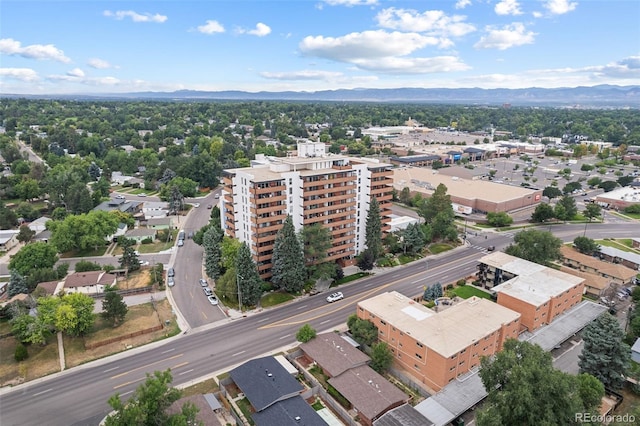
{"points": [[125, 292], [120, 338]]}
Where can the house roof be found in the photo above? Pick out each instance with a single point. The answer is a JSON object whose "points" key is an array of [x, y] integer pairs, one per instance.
{"points": [[292, 411], [441, 331], [621, 254], [417, 158], [39, 223], [141, 232], [636, 346], [620, 272], [205, 410], [159, 221], [7, 235], [369, 392], [333, 353], [264, 381], [83, 279], [590, 280], [404, 415], [49, 286]]}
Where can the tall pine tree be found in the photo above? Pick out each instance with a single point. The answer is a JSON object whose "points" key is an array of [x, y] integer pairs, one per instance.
{"points": [[373, 230], [248, 278], [212, 251], [288, 259]]}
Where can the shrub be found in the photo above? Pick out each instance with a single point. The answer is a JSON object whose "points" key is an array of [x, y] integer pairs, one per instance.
{"points": [[21, 353], [147, 241], [461, 282]]}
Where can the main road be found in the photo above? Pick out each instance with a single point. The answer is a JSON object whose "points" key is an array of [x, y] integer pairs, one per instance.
{"points": [[79, 396]]}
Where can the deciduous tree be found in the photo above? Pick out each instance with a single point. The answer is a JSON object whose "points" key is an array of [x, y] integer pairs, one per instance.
{"points": [[381, 357], [499, 219], [363, 331], [535, 246], [37, 255], [288, 259], [305, 333], [585, 245]]}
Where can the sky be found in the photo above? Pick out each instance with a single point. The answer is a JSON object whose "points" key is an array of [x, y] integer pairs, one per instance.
{"points": [[92, 47]]}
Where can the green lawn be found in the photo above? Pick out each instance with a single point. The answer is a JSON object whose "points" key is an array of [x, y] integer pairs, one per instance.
{"points": [[158, 246], [274, 298], [246, 409], [623, 244], [85, 253], [466, 292], [350, 278], [439, 247], [406, 258]]}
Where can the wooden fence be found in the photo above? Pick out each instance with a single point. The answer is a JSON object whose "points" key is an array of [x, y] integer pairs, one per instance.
{"points": [[120, 338]]}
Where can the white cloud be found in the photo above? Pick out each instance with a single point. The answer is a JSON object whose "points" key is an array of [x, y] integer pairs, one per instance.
{"points": [[396, 65], [302, 75], [135, 16], [560, 7], [211, 27], [260, 30], [505, 37], [625, 68], [537, 15], [76, 72], [99, 64], [508, 7], [432, 22], [364, 45], [350, 3], [461, 4], [9, 46], [22, 74]]}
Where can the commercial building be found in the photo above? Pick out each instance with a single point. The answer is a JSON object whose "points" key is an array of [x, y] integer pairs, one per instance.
{"points": [[536, 292], [619, 198], [312, 187], [479, 195], [437, 347]]}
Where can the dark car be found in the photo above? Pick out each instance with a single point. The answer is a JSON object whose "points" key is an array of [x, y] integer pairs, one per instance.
{"points": [[491, 248]]}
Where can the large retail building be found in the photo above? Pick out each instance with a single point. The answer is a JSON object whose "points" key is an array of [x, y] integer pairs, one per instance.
{"points": [[312, 187]]}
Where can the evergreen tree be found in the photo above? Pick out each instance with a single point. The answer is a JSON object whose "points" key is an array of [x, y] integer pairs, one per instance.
{"points": [[413, 238], [211, 242], [373, 230], [366, 261], [113, 306], [605, 355], [17, 284], [129, 257], [249, 280], [428, 293], [437, 290], [316, 240], [437, 212], [288, 259]]}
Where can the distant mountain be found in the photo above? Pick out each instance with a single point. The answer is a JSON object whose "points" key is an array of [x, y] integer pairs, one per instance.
{"points": [[595, 96]]}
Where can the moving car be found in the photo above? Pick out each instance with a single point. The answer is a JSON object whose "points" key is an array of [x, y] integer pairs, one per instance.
{"points": [[334, 297], [209, 206], [203, 282], [491, 248], [170, 281], [196, 205], [213, 300]]}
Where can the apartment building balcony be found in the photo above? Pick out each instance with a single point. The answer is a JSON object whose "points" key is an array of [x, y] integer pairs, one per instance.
{"points": [[337, 167], [332, 197], [325, 180], [268, 209], [336, 189], [274, 189], [275, 227], [271, 217], [336, 240], [324, 209]]}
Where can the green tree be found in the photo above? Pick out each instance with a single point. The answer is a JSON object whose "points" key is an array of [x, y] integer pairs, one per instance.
{"points": [[381, 357], [551, 192], [37, 255], [373, 230], [535, 246], [25, 234], [288, 259], [85, 265], [305, 333], [591, 211], [74, 315], [524, 389], [499, 219], [211, 242], [413, 238], [29, 329], [605, 355], [316, 241], [405, 196], [594, 181], [82, 232], [28, 189], [21, 352], [363, 331], [437, 212], [229, 248], [250, 283], [585, 245], [149, 403], [542, 213], [365, 260], [571, 186], [566, 208], [608, 185], [17, 284], [113, 306], [129, 258]]}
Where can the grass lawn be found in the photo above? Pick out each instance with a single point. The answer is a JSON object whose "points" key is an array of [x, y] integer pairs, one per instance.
{"points": [[317, 405], [246, 409], [632, 215], [207, 386], [406, 258], [5, 327], [157, 246], [85, 253], [439, 248], [274, 298], [350, 278], [466, 292], [43, 360], [623, 244]]}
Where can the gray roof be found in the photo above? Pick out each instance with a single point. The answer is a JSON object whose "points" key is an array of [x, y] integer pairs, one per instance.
{"points": [[264, 381], [334, 354], [614, 252], [416, 158], [286, 412], [636, 346], [141, 232], [405, 415]]}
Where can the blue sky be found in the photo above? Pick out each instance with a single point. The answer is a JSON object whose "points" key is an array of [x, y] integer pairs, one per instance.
{"points": [[65, 47]]}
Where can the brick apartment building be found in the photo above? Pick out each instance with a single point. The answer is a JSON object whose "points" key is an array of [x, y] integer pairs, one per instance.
{"points": [[437, 347], [615, 273], [535, 291], [312, 187]]}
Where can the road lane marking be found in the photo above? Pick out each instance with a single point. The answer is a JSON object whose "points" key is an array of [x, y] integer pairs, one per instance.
{"points": [[164, 352], [324, 322], [284, 337], [301, 307], [204, 315], [126, 393], [264, 319], [179, 365], [185, 372], [44, 391], [417, 281], [110, 369], [239, 353], [129, 383], [145, 366]]}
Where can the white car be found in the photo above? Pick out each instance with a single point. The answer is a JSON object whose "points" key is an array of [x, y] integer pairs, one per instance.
{"points": [[170, 281], [334, 297], [143, 262], [213, 300], [196, 205]]}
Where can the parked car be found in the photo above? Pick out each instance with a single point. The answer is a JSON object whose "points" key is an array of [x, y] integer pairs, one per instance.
{"points": [[334, 297], [170, 281], [209, 206], [203, 282], [120, 197], [171, 272], [213, 300], [208, 291], [180, 243], [143, 262], [217, 196]]}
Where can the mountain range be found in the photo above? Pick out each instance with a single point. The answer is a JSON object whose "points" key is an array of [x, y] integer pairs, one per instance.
{"points": [[584, 97]]}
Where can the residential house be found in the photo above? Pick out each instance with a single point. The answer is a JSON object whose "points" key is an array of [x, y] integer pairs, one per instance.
{"points": [[4, 286], [158, 223], [50, 288], [206, 404], [140, 234], [618, 274], [90, 282], [635, 351], [155, 209], [635, 243], [404, 415], [8, 239], [39, 225], [333, 354], [437, 347], [269, 388], [120, 231], [371, 394], [126, 206], [594, 285], [614, 255]]}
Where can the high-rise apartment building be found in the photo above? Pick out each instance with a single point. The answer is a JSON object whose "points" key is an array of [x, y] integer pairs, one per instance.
{"points": [[312, 187]]}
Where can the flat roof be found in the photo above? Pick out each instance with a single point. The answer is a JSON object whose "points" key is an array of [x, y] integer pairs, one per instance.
{"points": [[627, 193], [441, 332], [415, 179]]}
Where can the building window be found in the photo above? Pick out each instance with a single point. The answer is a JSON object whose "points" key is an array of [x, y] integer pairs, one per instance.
{"points": [[416, 366], [418, 356], [420, 345], [382, 322]]}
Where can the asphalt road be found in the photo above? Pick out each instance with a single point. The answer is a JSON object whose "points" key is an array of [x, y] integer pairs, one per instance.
{"points": [[78, 396]]}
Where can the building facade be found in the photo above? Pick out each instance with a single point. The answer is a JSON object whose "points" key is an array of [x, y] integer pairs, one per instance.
{"points": [[437, 347], [312, 187]]}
